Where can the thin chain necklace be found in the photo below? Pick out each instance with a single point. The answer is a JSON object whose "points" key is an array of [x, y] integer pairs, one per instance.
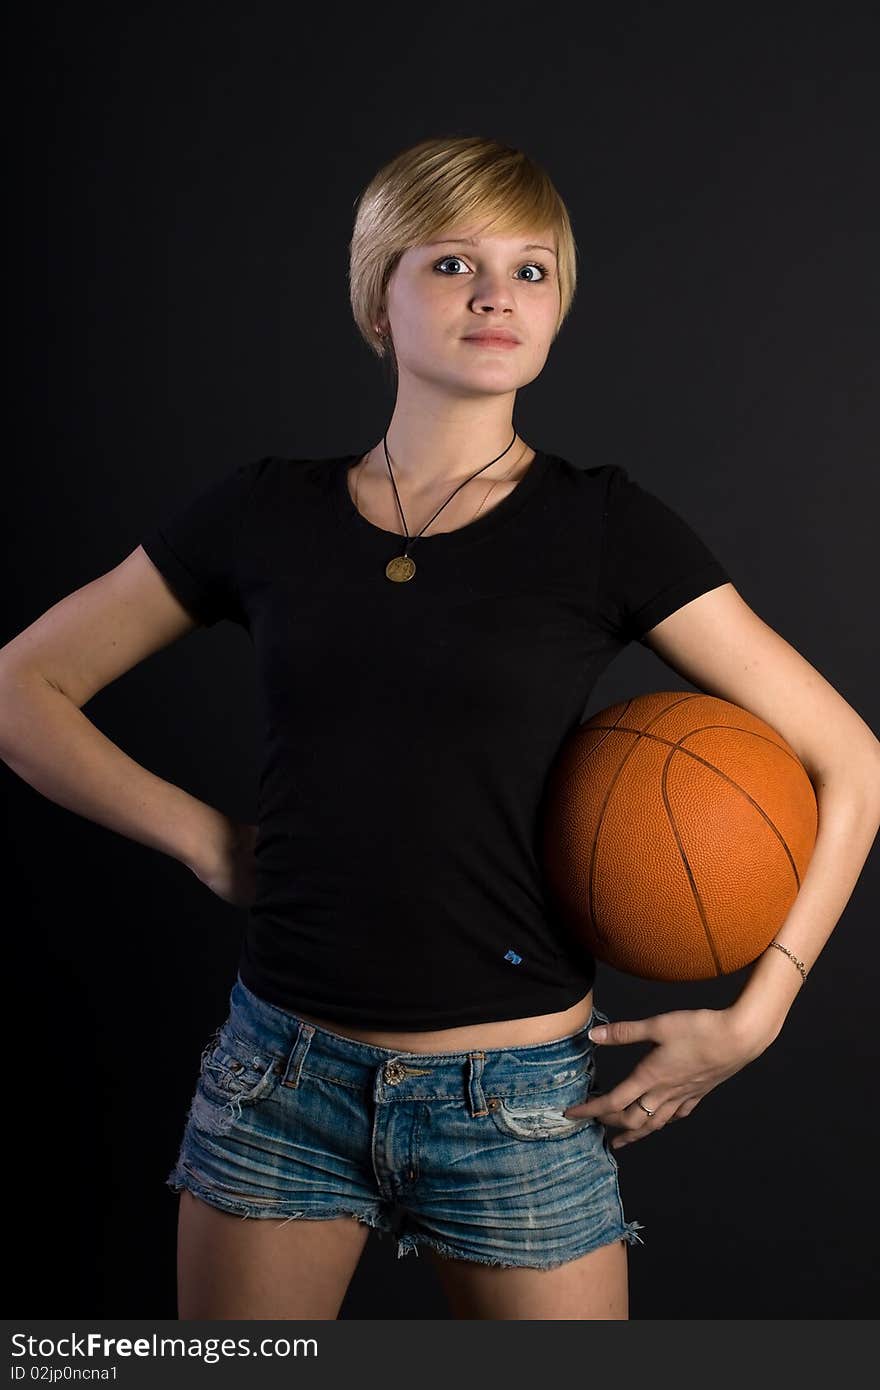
{"points": [[402, 567]]}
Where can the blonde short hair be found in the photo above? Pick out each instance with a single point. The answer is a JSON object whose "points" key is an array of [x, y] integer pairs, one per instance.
{"points": [[439, 183]]}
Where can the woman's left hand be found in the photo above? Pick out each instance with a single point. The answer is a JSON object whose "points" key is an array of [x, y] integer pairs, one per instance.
{"points": [[695, 1050]]}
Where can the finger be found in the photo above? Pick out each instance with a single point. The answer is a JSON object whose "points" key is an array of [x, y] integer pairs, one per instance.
{"points": [[685, 1109], [612, 1107], [623, 1030], [634, 1114], [641, 1115], [665, 1114], [660, 1118]]}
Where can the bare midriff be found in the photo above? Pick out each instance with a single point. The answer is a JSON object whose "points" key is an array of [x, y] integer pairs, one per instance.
{"points": [[508, 1032]]}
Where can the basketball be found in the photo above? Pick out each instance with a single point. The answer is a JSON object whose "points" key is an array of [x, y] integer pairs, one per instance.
{"points": [[676, 830]]}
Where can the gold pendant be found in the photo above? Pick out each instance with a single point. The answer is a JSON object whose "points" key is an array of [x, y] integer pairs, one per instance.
{"points": [[400, 568]]}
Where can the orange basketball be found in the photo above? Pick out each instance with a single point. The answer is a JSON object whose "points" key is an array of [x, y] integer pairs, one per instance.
{"points": [[676, 830]]}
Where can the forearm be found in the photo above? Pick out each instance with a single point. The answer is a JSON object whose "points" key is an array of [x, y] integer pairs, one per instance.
{"points": [[47, 741], [849, 818]]}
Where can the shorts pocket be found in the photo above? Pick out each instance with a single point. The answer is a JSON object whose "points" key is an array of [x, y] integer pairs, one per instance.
{"points": [[537, 1114], [236, 1069]]}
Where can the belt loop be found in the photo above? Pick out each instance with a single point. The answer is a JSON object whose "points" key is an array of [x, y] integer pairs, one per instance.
{"points": [[304, 1036], [476, 1095]]}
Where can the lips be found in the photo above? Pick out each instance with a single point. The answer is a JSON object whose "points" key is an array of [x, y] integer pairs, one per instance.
{"points": [[492, 340]]}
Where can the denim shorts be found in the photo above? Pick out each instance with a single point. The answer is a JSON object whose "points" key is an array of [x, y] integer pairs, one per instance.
{"points": [[466, 1152]]}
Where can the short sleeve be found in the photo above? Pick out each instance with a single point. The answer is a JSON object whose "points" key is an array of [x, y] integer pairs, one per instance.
{"points": [[194, 547], [653, 562]]}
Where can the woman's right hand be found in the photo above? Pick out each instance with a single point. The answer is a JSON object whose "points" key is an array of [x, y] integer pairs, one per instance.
{"points": [[234, 876]]}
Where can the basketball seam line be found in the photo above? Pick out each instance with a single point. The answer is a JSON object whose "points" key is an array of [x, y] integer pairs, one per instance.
{"points": [[675, 747]]}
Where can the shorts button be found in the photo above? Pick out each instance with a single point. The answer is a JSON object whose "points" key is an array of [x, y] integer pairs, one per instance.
{"points": [[394, 1072]]}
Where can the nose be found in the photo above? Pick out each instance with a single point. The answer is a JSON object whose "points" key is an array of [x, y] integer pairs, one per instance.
{"points": [[491, 293]]}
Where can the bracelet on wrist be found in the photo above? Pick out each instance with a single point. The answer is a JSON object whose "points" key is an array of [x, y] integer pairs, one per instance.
{"points": [[799, 963]]}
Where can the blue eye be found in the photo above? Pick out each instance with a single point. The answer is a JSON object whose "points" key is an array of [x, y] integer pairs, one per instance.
{"points": [[528, 265]]}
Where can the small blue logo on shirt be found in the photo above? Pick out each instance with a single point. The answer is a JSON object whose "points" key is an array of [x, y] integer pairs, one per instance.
{"points": [[513, 957]]}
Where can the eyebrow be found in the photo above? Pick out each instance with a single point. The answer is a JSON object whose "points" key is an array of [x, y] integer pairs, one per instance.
{"points": [[473, 241]]}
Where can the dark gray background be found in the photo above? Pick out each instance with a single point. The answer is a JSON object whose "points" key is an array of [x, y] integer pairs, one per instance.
{"points": [[183, 188]]}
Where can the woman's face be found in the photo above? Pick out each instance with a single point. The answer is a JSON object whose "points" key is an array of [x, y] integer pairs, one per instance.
{"points": [[443, 291]]}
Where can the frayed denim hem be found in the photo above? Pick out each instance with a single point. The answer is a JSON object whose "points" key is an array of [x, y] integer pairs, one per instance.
{"points": [[247, 1208], [409, 1242]]}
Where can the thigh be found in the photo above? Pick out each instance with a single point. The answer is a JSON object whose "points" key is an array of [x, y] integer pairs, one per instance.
{"points": [[243, 1267], [594, 1286]]}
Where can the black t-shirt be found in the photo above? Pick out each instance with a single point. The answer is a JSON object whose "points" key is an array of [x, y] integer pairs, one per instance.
{"points": [[408, 728]]}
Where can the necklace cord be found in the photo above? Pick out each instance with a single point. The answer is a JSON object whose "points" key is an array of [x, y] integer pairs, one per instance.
{"points": [[412, 539], [402, 567]]}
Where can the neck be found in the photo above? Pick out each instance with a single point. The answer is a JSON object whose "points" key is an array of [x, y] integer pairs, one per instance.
{"points": [[429, 465], [436, 438]]}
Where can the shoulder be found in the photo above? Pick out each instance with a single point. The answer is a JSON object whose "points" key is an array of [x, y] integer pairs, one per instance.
{"points": [[278, 475], [621, 496], [576, 472], [593, 482]]}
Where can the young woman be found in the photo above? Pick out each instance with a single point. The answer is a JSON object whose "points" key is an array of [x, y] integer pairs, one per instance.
{"points": [[408, 1045]]}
